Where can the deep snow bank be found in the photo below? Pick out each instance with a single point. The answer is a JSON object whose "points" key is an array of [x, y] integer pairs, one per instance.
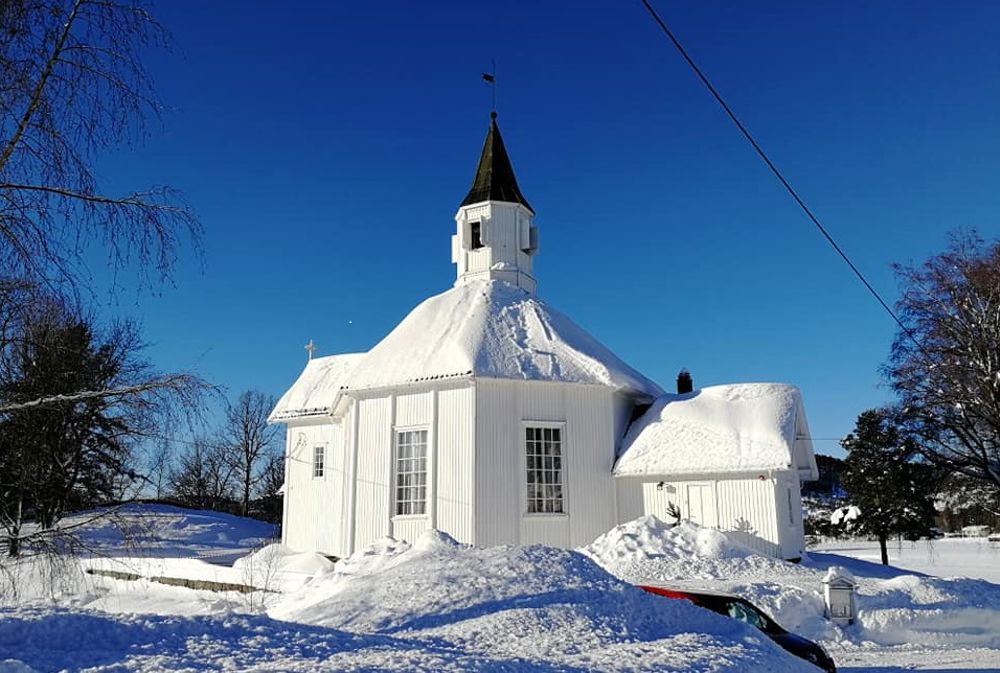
{"points": [[647, 550], [277, 558], [931, 610], [895, 608], [528, 603]]}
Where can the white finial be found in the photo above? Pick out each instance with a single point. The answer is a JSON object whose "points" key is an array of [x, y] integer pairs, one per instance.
{"points": [[310, 348]]}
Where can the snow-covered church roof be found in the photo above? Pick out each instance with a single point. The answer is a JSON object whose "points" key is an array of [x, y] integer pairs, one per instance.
{"points": [[492, 329], [720, 429], [316, 389]]}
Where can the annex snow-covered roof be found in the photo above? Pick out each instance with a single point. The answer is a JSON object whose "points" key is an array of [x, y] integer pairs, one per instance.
{"points": [[492, 329], [730, 428], [317, 387]]}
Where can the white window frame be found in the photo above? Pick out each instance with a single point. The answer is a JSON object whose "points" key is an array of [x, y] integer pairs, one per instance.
{"points": [[414, 503], [319, 461], [563, 467]]}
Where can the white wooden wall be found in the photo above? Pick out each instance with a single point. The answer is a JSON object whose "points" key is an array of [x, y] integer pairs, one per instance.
{"points": [[448, 415], [313, 512], [456, 462], [751, 510], [793, 541], [477, 473], [502, 409]]}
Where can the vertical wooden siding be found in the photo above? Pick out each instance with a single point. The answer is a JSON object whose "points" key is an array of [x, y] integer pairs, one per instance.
{"points": [[792, 533], [746, 509], [451, 445], [373, 475], [496, 485], [502, 408], [455, 458], [314, 506], [590, 435]]}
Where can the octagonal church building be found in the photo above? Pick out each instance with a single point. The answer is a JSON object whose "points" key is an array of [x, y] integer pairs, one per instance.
{"points": [[488, 414]]}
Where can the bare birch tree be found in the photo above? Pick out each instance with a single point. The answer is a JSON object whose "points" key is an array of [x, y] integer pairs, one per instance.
{"points": [[73, 84], [946, 367]]}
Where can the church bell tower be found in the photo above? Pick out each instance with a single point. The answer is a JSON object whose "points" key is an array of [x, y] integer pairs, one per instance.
{"points": [[495, 236]]}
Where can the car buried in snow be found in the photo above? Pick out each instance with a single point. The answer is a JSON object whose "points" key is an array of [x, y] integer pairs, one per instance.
{"points": [[745, 611]]}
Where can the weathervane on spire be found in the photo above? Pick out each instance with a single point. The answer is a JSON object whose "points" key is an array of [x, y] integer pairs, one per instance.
{"points": [[491, 79], [310, 348]]}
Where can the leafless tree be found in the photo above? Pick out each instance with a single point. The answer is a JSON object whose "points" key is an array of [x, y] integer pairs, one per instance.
{"points": [[204, 477], [273, 476], [945, 367], [268, 505], [249, 441], [157, 461], [73, 84]]}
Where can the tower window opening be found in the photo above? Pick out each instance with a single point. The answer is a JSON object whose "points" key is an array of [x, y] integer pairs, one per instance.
{"points": [[476, 238]]}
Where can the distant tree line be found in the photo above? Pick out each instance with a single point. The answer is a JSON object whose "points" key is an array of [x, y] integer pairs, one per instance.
{"points": [[238, 469]]}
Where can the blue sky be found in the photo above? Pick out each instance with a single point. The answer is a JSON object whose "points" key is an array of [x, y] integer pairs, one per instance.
{"points": [[326, 147]]}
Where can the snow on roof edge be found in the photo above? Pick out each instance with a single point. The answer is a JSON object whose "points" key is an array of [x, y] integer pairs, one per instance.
{"points": [[316, 389], [733, 428]]}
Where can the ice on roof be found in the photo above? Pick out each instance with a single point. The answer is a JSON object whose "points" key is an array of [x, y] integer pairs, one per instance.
{"points": [[493, 329], [727, 428], [316, 389]]}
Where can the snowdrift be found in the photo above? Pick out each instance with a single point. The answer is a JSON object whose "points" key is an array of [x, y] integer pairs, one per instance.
{"points": [[536, 604], [647, 550], [931, 610], [895, 608]]}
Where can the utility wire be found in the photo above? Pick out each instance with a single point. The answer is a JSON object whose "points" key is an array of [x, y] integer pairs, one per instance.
{"points": [[774, 169]]}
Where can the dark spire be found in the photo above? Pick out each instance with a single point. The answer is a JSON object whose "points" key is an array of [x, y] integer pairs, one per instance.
{"points": [[495, 179]]}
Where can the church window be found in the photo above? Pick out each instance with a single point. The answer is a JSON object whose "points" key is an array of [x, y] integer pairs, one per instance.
{"points": [[476, 235], [319, 462], [411, 472], [543, 450]]}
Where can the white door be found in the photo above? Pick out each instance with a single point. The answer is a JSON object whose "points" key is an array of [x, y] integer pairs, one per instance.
{"points": [[701, 504]]}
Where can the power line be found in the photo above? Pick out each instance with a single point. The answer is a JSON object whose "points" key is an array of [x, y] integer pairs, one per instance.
{"points": [[774, 169]]}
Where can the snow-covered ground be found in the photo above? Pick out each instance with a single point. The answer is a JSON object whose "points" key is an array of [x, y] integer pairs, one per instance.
{"points": [[946, 557], [907, 620], [439, 606]]}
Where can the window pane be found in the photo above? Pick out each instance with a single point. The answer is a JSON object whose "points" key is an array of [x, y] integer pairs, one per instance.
{"points": [[543, 463], [411, 472]]}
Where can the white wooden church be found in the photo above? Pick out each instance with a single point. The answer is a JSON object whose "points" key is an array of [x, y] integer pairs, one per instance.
{"points": [[491, 416]]}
